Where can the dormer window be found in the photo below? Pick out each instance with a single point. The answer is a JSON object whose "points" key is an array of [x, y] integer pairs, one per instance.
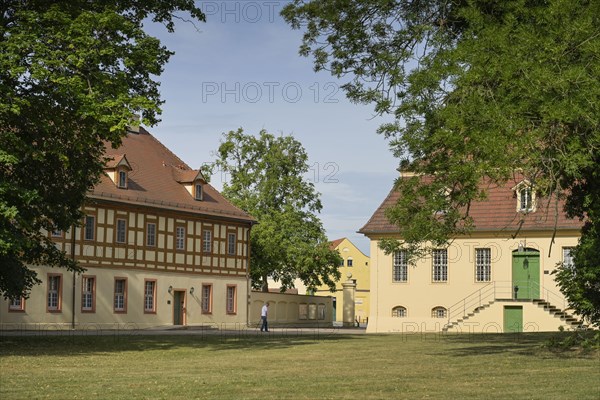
{"points": [[192, 180], [198, 191], [525, 197], [122, 179], [117, 168]]}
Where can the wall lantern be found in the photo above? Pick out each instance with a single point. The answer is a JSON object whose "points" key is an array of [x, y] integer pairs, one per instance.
{"points": [[192, 290], [170, 289]]}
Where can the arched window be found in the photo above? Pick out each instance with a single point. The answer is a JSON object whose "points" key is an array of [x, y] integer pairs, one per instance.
{"points": [[399, 312], [439, 312]]}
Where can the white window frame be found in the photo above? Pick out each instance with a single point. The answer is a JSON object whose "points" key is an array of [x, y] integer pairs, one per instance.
{"points": [[207, 241], [120, 296], [151, 234], [206, 301], [231, 244], [179, 238], [567, 258], [53, 299], [400, 266], [88, 286], [122, 177], [439, 312], [439, 272], [121, 231], [231, 299], [149, 296], [89, 231], [483, 264], [16, 304], [198, 192], [399, 312]]}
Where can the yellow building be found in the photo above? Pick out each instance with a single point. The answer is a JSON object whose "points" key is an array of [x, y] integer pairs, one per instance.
{"points": [[354, 262], [497, 279], [160, 246]]}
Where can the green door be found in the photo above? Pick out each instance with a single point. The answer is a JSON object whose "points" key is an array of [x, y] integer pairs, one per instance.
{"points": [[513, 319], [178, 303], [526, 274]]}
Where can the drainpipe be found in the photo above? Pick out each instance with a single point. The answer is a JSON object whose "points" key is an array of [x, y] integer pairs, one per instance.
{"points": [[73, 231]]}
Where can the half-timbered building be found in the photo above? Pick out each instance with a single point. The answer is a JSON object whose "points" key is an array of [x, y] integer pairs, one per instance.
{"points": [[160, 246]]}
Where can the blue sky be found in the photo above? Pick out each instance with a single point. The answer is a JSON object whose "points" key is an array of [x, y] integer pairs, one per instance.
{"points": [[242, 69]]}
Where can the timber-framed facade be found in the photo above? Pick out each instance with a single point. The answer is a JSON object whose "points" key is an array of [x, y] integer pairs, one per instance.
{"points": [[154, 236]]}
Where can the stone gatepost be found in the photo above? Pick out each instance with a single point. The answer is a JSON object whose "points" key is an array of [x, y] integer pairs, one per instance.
{"points": [[349, 290]]}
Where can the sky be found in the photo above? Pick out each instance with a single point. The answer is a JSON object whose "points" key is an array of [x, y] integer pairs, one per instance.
{"points": [[242, 69]]}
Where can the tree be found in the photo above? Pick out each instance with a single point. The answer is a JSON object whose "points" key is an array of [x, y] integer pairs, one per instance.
{"points": [[73, 73], [478, 89], [266, 180]]}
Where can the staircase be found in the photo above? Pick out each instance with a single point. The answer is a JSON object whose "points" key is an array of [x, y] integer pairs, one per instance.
{"points": [[493, 292], [567, 318]]}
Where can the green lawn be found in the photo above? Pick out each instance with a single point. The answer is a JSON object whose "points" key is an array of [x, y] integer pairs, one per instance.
{"points": [[329, 366]]}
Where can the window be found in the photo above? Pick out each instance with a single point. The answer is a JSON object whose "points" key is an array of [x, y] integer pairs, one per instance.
{"points": [[123, 179], [57, 233], [17, 304], [303, 311], [321, 311], [206, 299], [207, 242], [54, 293], [400, 269], [198, 191], [483, 265], [399, 312], [568, 261], [149, 296], [151, 234], [438, 312], [525, 199], [231, 300], [349, 262], [180, 238], [342, 262], [231, 244], [90, 228], [88, 290], [120, 298], [121, 231], [440, 265]]}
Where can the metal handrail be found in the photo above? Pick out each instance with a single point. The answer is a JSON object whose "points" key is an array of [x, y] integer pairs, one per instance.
{"points": [[502, 290]]}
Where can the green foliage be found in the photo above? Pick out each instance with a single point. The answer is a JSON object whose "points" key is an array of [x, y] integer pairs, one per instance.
{"points": [[585, 340], [479, 90], [72, 75], [266, 180], [581, 284]]}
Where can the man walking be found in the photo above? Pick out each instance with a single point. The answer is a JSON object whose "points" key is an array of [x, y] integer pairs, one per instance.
{"points": [[263, 316]]}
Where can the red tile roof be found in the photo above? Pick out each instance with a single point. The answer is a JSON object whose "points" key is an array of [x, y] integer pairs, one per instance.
{"points": [[497, 213], [154, 181], [335, 243]]}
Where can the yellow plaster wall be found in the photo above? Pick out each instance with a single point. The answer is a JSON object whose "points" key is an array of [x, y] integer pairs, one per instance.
{"points": [[36, 316], [420, 294], [361, 271]]}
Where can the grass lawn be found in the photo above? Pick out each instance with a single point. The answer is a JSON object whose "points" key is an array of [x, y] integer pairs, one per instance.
{"points": [[295, 367]]}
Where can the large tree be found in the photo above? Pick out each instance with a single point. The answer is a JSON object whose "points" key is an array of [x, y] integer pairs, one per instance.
{"points": [[73, 74], [265, 177], [479, 89]]}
